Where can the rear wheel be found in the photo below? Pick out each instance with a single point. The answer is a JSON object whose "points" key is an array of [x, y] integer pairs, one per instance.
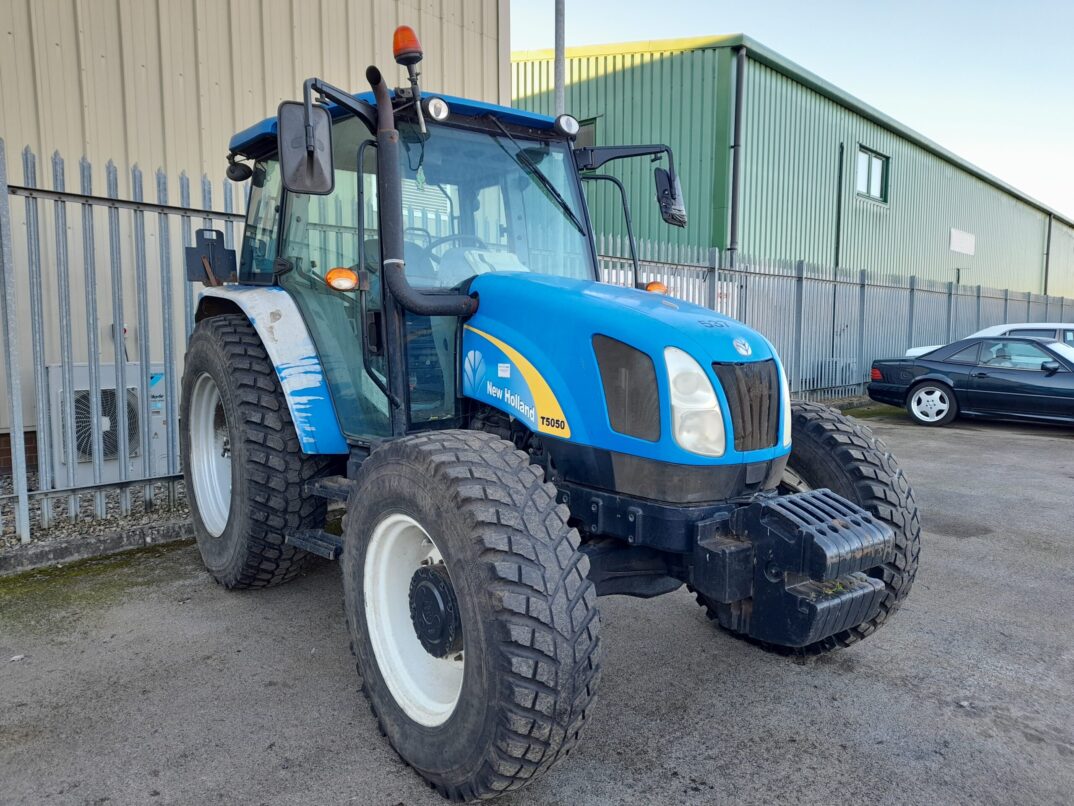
{"points": [[832, 450], [243, 466], [471, 617], [932, 403]]}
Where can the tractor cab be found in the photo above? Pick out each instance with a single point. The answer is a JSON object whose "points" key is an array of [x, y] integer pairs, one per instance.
{"points": [[483, 190]]}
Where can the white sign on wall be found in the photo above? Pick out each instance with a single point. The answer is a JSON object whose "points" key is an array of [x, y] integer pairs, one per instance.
{"points": [[965, 243]]}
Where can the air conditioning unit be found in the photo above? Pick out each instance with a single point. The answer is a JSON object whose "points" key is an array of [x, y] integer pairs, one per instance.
{"points": [[80, 453]]}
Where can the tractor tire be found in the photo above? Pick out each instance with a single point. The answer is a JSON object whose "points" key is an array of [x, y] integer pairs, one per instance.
{"points": [[243, 466], [832, 450], [473, 622]]}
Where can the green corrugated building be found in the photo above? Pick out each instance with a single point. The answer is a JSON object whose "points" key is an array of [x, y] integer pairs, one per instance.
{"points": [[778, 163]]}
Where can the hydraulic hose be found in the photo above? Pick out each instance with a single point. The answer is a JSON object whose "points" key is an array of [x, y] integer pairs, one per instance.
{"points": [[390, 199]]}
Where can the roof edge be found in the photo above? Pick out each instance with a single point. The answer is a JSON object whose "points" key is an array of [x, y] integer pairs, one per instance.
{"points": [[642, 46], [781, 64]]}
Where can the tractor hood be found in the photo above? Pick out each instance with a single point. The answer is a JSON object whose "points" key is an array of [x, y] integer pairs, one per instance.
{"points": [[529, 351]]}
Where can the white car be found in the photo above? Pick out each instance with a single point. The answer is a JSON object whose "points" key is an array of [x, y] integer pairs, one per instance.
{"points": [[1060, 331]]}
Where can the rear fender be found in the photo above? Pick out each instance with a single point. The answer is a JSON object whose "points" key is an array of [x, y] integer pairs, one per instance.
{"points": [[287, 341]]}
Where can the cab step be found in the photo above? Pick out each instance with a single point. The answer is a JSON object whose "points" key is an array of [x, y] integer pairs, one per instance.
{"points": [[316, 541], [334, 488]]}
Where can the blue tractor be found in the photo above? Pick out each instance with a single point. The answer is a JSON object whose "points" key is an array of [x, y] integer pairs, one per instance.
{"points": [[414, 335]]}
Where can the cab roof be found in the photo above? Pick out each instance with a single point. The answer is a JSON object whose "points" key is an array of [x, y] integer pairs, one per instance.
{"points": [[259, 140]]}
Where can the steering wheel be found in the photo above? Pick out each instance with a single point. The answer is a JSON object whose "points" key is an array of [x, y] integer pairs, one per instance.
{"points": [[458, 237], [423, 232]]}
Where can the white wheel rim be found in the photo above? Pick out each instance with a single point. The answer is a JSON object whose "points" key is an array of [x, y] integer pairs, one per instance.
{"points": [[930, 403], [210, 455], [427, 688]]}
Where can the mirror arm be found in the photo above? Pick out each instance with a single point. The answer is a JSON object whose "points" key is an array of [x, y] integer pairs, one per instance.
{"points": [[328, 92], [592, 157]]}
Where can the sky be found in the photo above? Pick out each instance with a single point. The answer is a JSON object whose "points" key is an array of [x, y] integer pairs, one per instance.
{"points": [[991, 81]]}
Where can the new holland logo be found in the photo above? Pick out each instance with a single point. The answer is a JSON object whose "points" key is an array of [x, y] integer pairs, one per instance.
{"points": [[742, 346]]}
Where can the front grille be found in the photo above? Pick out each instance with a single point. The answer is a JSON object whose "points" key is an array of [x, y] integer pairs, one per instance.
{"points": [[630, 391], [752, 392]]}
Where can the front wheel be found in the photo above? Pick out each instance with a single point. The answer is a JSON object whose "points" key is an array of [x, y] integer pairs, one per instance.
{"points": [[471, 616]]}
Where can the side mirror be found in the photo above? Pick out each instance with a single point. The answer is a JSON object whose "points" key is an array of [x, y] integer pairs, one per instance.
{"points": [[669, 197], [305, 153], [1049, 367]]}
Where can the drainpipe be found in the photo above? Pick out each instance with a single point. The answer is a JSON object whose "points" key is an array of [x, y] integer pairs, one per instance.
{"points": [[736, 155], [1048, 254], [559, 68]]}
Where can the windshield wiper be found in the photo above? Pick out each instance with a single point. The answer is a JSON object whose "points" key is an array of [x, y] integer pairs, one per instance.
{"points": [[523, 159]]}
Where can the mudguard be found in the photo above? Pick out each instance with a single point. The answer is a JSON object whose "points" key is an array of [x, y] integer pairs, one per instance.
{"points": [[279, 323]]}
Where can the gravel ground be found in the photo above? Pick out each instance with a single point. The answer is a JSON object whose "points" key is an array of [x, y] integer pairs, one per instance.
{"points": [[85, 523], [140, 681]]}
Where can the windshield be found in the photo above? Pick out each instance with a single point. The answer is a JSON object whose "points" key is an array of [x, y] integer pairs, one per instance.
{"points": [[1065, 350], [482, 201]]}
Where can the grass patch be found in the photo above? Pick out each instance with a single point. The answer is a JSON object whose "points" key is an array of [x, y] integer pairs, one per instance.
{"points": [[875, 411]]}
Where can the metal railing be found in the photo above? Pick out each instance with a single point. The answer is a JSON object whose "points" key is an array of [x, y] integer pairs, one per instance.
{"points": [[95, 304], [95, 312], [829, 324]]}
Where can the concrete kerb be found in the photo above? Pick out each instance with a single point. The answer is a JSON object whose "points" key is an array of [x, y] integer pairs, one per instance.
{"points": [[49, 553]]}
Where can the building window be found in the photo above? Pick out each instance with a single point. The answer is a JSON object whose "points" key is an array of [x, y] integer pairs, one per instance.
{"points": [[872, 175], [587, 134]]}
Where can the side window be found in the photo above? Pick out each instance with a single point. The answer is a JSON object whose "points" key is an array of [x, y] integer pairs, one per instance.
{"points": [[872, 179], [967, 355], [1013, 355], [262, 224], [490, 219], [1068, 337]]}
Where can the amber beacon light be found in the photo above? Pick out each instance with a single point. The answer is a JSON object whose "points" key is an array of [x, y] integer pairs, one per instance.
{"points": [[656, 287], [405, 46]]}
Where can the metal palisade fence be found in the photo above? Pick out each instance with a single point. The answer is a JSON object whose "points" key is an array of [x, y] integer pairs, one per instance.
{"points": [[96, 314], [829, 324]]}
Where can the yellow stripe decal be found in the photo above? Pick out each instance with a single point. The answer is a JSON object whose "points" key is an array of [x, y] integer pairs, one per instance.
{"points": [[550, 418]]}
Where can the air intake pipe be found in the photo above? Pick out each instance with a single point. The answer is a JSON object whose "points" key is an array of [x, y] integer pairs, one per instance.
{"points": [[390, 199]]}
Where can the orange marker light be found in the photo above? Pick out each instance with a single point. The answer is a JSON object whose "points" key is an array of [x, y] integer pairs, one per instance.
{"points": [[405, 46], [656, 287], [342, 279]]}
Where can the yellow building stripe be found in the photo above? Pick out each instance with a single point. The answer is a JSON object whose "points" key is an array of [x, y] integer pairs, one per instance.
{"points": [[621, 48], [550, 417]]}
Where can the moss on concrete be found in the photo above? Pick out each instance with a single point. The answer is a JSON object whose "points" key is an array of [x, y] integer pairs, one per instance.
{"points": [[876, 411], [44, 598]]}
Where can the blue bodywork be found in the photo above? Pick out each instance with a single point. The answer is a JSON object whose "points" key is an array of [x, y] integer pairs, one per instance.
{"points": [[253, 140], [551, 321]]}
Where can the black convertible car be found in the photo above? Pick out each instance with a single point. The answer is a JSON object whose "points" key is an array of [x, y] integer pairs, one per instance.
{"points": [[1005, 377]]}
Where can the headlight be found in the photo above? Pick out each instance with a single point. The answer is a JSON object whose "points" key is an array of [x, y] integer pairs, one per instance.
{"points": [[785, 405], [696, 419]]}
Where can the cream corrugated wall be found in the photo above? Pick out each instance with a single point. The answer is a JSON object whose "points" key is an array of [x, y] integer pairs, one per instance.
{"points": [[165, 83]]}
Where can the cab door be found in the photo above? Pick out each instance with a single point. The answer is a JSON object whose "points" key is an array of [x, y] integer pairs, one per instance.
{"points": [[320, 233], [1008, 380]]}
